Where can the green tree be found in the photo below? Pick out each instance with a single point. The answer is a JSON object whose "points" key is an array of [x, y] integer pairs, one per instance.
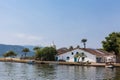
{"points": [[36, 48], [10, 54], [46, 53], [112, 44], [80, 55], [38, 54], [25, 50], [84, 42], [37, 51]]}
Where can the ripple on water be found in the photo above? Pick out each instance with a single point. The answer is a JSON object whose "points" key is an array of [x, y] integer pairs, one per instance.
{"points": [[21, 71]]}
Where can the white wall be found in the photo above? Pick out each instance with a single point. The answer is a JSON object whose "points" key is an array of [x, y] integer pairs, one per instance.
{"points": [[90, 57], [111, 58]]}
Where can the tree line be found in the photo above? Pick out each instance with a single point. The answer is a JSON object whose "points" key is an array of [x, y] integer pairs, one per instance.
{"points": [[46, 53]]}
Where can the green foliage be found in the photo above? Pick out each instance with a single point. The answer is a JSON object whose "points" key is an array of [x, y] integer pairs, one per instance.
{"points": [[36, 48], [84, 42], [25, 50], [47, 53], [112, 43], [10, 54], [80, 55]]}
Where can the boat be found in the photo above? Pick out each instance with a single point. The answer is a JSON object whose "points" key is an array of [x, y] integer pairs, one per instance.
{"points": [[109, 65], [31, 62]]}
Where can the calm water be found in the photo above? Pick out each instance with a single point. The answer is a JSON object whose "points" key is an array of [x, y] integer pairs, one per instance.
{"points": [[21, 71]]}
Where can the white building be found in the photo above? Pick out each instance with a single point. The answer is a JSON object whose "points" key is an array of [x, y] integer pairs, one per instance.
{"points": [[91, 55]]}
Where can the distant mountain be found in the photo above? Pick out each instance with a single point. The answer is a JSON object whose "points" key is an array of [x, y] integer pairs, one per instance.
{"points": [[16, 48], [31, 47]]}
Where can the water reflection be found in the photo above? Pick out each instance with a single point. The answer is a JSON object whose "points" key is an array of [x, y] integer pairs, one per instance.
{"points": [[109, 73], [117, 74], [21, 71], [45, 71]]}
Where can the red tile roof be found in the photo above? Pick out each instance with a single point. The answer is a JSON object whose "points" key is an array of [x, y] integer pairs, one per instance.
{"points": [[62, 50], [92, 51]]}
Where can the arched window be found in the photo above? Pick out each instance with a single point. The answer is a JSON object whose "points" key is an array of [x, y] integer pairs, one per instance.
{"points": [[77, 52], [68, 58], [83, 58], [72, 53]]}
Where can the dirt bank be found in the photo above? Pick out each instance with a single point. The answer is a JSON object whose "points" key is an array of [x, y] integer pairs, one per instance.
{"points": [[55, 62]]}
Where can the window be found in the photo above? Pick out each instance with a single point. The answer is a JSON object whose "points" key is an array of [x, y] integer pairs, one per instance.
{"points": [[98, 59], [83, 58], [82, 53], [68, 58], [72, 53], [76, 52]]}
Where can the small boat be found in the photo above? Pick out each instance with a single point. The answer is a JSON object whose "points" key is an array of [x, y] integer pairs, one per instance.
{"points": [[109, 66], [31, 62]]}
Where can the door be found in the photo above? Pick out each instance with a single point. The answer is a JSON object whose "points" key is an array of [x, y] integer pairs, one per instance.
{"points": [[75, 59], [56, 59]]}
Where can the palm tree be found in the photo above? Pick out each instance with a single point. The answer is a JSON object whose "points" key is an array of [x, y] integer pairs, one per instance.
{"points": [[10, 54], [25, 50], [84, 42], [80, 55], [36, 48]]}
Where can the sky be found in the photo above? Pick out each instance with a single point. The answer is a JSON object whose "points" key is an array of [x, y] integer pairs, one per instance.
{"points": [[64, 22]]}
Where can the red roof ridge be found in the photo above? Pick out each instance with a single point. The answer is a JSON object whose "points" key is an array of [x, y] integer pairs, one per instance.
{"points": [[90, 50]]}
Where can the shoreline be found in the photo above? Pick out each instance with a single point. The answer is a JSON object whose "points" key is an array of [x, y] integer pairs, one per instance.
{"points": [[54, 62]]}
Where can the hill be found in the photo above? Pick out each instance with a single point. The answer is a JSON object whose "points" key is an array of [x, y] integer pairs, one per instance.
{"points": [[16, 48]]}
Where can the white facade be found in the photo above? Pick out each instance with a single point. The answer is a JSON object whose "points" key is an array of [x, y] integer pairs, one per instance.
{"points": [[69, 56], [110, 58]]}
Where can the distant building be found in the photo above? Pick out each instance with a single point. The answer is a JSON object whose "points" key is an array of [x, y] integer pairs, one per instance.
{"points": [[91, 55]]}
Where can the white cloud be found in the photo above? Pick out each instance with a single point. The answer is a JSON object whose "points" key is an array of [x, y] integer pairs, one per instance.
{"points": [[20, 39], [28, 37]]}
